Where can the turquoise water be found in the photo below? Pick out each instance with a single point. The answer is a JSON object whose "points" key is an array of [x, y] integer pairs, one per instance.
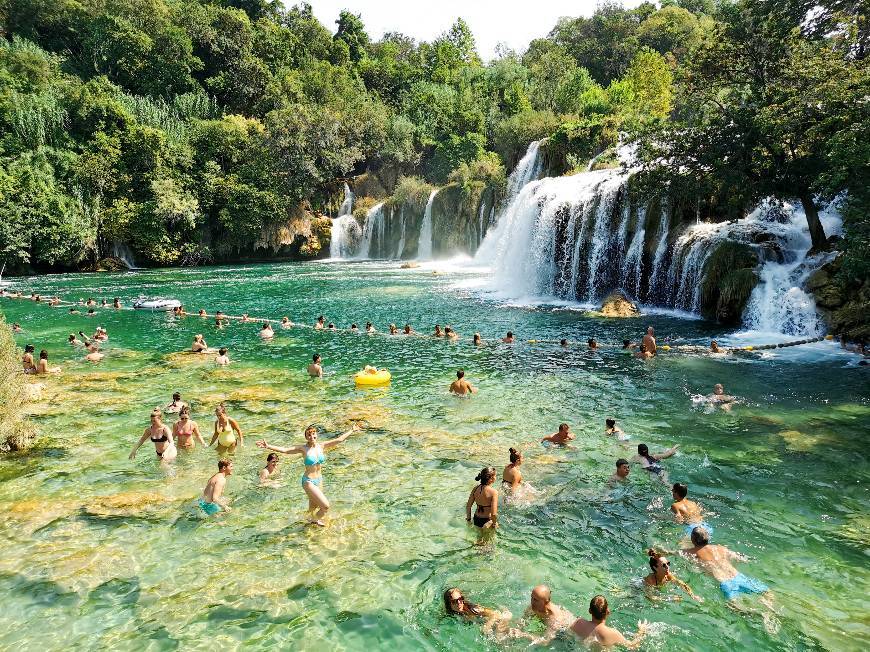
{"points": [[102, 551]]}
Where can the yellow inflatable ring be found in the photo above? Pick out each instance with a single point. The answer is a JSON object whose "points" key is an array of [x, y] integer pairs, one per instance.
{"points": [[665, 348], [380, 377]]}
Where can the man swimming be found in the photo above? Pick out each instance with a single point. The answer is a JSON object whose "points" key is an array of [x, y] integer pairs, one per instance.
{"points": [[286, 323], [714, 347], [408, 330], [315, 369], [438, 332], [649, 341], [213, 500], [720, 398], [622, 470], [450, 334], [556, 617], [94, 354], [176, 404], [716, 562], [369, 328], [460, 386], [687, 511], [650, 462], [476, 340], [74, 341], [592, 344], [222, 358], [561, 437], [509, 338], [596, 630]]}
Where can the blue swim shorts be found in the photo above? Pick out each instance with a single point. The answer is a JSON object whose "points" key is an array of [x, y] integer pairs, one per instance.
{"points": [[209, 508], [741, 584]]}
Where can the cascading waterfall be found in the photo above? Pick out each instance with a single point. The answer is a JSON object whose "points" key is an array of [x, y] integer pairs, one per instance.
{"points": [[424, 246], [121, 251], [374, 222], [632, 268], [401, 248], [528, 169], [346, 232]]}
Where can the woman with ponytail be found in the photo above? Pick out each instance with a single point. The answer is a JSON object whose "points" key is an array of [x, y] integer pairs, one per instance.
{"points": [[486, 499], [661, 574], [511, 476]]}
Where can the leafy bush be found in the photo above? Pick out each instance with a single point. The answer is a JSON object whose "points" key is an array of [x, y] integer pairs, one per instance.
{"points": [[16, 433], [513, 135], [473, 177], [411, 190]]}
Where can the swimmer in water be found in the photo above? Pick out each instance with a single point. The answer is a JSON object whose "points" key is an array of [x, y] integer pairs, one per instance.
{"points": [[393, 330], [495, 623], [555, 617], [74, 341], [245, 319], [42, 367], [116, 303], [226, 432], [101, 334], [450, 334], [649, 340], [686, 511], [597, 632], [54, 301], [331, 326], [622, 470], [592, 344], [269, 472], [408, 330], [185, 430], [213, 500], [561, 437], [611, 429], [509, 338], [720, 398], [27, 359], [199, 344], [91, 313], [176, 405], [563, 343], [202, 313], [354, 328], [438, 332], [315, 369], [460, 386], [369, 328], [714, 347], [219, 320], [286, 323], [642, 353], [94, 354], [716, 561], [73, 311], [16, 328], [485, 496], [511, 476], [476, 340], [650, 463], [321, 322], [90, 302], [222, 359], [161, 437], [661, 574], [266, 331], [313, 459], [85, 338]]}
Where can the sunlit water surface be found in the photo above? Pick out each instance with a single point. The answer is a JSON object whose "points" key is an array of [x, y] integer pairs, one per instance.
{"points": [[102, 552]]}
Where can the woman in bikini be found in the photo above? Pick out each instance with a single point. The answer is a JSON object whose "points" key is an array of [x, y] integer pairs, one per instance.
{"points": [[226, 432], [161, 437], [511, 477], [313, 459], [199, 344], [185, 429], [485, 497]]}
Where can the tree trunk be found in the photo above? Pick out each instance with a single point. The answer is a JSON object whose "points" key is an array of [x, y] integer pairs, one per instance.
{"points": [[817, 231]]}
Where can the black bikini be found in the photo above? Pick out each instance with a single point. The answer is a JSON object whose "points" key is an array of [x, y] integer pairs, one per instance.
{"points": [[480, 521], [162, 439]]}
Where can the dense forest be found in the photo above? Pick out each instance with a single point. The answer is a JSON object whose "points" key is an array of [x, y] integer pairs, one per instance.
{"points": [[184, 128]]}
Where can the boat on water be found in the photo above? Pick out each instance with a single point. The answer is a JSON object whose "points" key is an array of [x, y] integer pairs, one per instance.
{"points": [[156, 303]]}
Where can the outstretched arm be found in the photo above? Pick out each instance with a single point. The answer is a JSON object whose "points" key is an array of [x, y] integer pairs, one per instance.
{"points": [[687, 589], [292, 450], [331, 443], [667, 453], [139, 443]]}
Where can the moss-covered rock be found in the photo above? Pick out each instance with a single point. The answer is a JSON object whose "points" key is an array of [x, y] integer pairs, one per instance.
{"points": [[843, 301], [729, 278], [617, 304]]}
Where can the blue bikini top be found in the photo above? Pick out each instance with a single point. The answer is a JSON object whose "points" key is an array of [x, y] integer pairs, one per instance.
{"points": [[311, 461]]}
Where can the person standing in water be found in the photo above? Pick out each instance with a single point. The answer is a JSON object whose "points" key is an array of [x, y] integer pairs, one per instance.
{"points": [[315, 369], [222, 359], [649, 341], [687, 511], [476, 340], [556, 617], [560, 438], [176, 405], [321, 323], [266, 331], [650, 463], [596, 630], [460, 386], [269, 472], [511, 476], [716, 561], [27, 359], [313, 459], [642, 352], [485, 497], [438, 332], [720, 398], [225, 431], [185, 430], [509, 338], [161, 437], [199, 345], [213, 500], [94, 354], [286, 323], [714, 347], [661, 574], [369, 328]]}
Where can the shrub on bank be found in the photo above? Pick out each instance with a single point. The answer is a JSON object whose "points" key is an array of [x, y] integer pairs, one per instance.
{"points": [[16, 433], [411, 190]]}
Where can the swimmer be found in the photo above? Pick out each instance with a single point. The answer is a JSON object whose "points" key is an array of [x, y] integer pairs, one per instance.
{"points": [[509, 338], [661, 574], [186, 429], [720, 398], [268, 472], [94, 354], [592, 344], [55, 301], [103, 303], [27, 359], [16, 328], [315, 369], [561, 437], [714, 347], [213, 500], [642, 353], [85, 338], [222, 359], [621, 474], [610, 428], [687, 511], [596, 630], [313, 459], [91, 313], [266, 331], [331, 326], [649, 341], [199, 344], [556, 617], [485, 497], [563, 343], [369, 328], [438, 332], [286, 323], [176, 405], [161, 437], [101, 334], [460, 386], [321, 322], [42, 367], [90, 302], [715, 560], [74, 341], [73, 311], [393, 330], [116, 303], [219, 320], [354, 328], [511, 476], [225, 431], [202, 313], [476, 340], [450, 334], [650, 462], [495, 623], [408, 330]]}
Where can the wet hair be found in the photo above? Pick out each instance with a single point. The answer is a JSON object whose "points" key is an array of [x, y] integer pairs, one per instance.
{"points": [[265, 325], [642, 347], [448, 329], [451, 611], [91, 311], [72, 337], [222, 350], [591, 342], [653, 559], [626, 344], [680, 489], [176, 395], [331, 325], [460, 374], [598, 607], [320, 318], [515, 455], [43, 355], [643, 449], [563, 426], [368, 323], [310, 428], [510, 334], [271, 457], [621, 461], [222, 464], [315, 357], [486, 475], [184, 410], [353, 326], [610, 423], [476, 337], [29, 348], [563, 342], [700, 536]]}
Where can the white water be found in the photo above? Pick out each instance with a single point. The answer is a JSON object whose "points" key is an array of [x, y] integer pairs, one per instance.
{"points": [[122, 251], [527, 170], [346, 233], [374, 220], [424, 246], [401, 248]]}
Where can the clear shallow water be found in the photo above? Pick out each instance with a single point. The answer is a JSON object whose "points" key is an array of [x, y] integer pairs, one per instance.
{"points": [[101, 551]]}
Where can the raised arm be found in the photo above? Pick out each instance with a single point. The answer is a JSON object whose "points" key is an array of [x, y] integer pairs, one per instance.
{"points": [[141, 441], [635, 642], [292, 450], [332, 443], [667, 453]]}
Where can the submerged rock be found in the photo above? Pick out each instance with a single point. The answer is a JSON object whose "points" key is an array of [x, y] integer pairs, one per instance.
{"points": [[410, 265], [617, 304]]}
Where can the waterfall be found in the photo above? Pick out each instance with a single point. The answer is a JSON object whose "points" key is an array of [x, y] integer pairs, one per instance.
{"points": [[528, 169], [633, 264], [661, 249], [346, 232], [401, 248], [374, 220], [424, 246], [121, 251]]}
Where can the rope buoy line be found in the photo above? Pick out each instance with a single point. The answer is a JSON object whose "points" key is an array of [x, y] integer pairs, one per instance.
{"points": [[250, 319]]}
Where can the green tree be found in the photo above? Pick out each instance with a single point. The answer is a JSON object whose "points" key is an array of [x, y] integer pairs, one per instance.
{"points": [[352, 31]]}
